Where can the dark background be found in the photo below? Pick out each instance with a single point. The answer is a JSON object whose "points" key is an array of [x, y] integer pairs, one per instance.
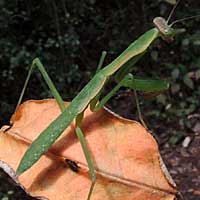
{"points": [[69, 36]]}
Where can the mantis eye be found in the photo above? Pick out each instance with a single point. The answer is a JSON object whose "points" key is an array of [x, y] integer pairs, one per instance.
{"points": [[166, 31]]}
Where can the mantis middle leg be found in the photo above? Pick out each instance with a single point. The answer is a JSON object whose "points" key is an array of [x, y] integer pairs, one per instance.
{"points": [[82, 140]]}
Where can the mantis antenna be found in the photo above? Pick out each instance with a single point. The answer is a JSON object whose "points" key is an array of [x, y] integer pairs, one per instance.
{"points": [[184, 19], [172, 11], [179, 20], [162, 24]]}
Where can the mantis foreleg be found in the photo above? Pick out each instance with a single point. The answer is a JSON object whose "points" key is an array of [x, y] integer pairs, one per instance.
{"points": [[127, 68], [148, 85]]}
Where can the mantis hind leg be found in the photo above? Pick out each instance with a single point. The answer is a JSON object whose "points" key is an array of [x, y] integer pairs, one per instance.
{"points": [[37, 63], [82, 140]]}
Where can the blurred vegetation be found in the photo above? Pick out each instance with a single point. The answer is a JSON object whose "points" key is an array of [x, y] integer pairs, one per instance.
{"points": [[68, 36]]}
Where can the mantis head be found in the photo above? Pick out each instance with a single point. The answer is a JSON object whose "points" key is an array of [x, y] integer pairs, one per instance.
{"points": [[166, 30]]}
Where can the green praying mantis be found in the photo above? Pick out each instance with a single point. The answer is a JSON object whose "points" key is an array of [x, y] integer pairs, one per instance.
{"points": [[90, 94]]}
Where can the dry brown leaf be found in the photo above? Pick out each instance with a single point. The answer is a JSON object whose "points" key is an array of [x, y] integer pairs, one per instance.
{"points": [[125, 155]]}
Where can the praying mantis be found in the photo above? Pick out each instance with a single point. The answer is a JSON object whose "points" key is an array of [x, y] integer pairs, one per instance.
{"points": [[90, 94]]}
